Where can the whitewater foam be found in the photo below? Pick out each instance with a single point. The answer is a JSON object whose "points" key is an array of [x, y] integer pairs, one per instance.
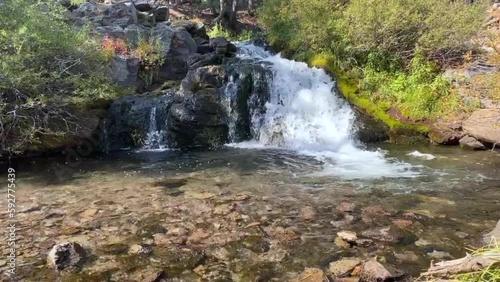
{"points": [[305, 114]]}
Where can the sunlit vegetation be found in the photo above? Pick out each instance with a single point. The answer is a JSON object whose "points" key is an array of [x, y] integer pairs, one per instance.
{"points": [[394, 50]]}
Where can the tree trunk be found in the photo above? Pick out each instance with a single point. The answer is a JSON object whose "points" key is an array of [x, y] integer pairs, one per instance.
{"points": [[227, 16]]}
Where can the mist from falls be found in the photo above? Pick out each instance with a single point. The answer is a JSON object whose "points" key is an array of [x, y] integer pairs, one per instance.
{"points": [[304, 114]]}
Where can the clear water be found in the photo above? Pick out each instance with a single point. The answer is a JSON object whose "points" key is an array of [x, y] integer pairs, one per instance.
{"points": [[302, 154]]}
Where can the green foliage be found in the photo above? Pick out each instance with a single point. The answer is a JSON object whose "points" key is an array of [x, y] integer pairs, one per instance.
{"points": [[389, 45], [46, 65], [420, 92], [487, 274], [149, 52], [218, 31], [398, 27]]}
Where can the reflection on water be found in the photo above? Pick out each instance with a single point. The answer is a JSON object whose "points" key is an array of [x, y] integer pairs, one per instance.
{"points": [[458, 191]]}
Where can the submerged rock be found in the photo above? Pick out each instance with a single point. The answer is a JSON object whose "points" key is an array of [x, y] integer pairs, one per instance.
{"points": [[344, 266], [471, 143], [312, 275], [372, 271], [348, 236], [64, 255]]}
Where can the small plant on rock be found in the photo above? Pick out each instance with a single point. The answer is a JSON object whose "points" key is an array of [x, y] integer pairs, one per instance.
{"points": [[149, 52]]}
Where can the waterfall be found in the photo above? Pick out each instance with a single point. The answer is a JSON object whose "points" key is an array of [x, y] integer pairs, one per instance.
{"points": [[304, 114], [155, 139]]}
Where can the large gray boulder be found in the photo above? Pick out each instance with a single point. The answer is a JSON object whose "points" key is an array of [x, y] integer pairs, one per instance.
{"points": [[85, 10], [471, 143], [182, 45], [165, 35], [484, 125], [199, 121], [125, 71], [122, 14]]}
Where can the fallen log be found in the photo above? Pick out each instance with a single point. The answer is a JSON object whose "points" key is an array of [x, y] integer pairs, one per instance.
{"points": [[469, 263]]}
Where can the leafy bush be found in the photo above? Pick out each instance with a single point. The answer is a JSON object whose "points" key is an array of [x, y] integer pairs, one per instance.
{"points": [[399, 27], [149, 52], [421, 92], [47, 66], [218, 31], [377, 41]]}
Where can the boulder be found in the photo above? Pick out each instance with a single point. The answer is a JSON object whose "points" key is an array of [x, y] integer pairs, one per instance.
{"points": [[197, 30], [203, 77], [196, 61], [479, 68], [368, 129], [121, 14], [85, 10], [220, 44], [445, 134], [64, 255], [182, 45], [246, 94], [199, 121], [161, 14], [125, 71], [112, 31], [78, 127], [372, 271], [165, 34], [143, 5], [344, 266], [129, 119], [484, 125], [348, 236], [471, 143], [133, 32]]}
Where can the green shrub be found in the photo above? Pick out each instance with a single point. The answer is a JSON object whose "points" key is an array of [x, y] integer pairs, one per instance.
{"points": [[149, 52], [46, 66], [376, 42], [218, 31], [420, 93]]}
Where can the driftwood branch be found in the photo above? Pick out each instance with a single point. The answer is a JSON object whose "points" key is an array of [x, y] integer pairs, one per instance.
{"points": [[470, 263]]}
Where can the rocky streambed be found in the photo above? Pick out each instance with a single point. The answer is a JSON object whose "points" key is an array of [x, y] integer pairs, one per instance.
{"points": [[244, 215]]}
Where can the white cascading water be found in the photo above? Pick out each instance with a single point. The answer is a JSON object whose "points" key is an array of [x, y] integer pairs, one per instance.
{"points": [[305, 115], [155, 138]]}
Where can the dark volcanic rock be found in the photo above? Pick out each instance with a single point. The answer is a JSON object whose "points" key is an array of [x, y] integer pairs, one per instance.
{"points": [[129, 119], [198, 122]]}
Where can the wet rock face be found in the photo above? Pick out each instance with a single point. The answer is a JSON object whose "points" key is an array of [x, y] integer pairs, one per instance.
{"points": [[445, 134], [198, 121], [129, 119], [368, 129], [471, 143], [484, 125], [66, 255], [216, 103]]}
